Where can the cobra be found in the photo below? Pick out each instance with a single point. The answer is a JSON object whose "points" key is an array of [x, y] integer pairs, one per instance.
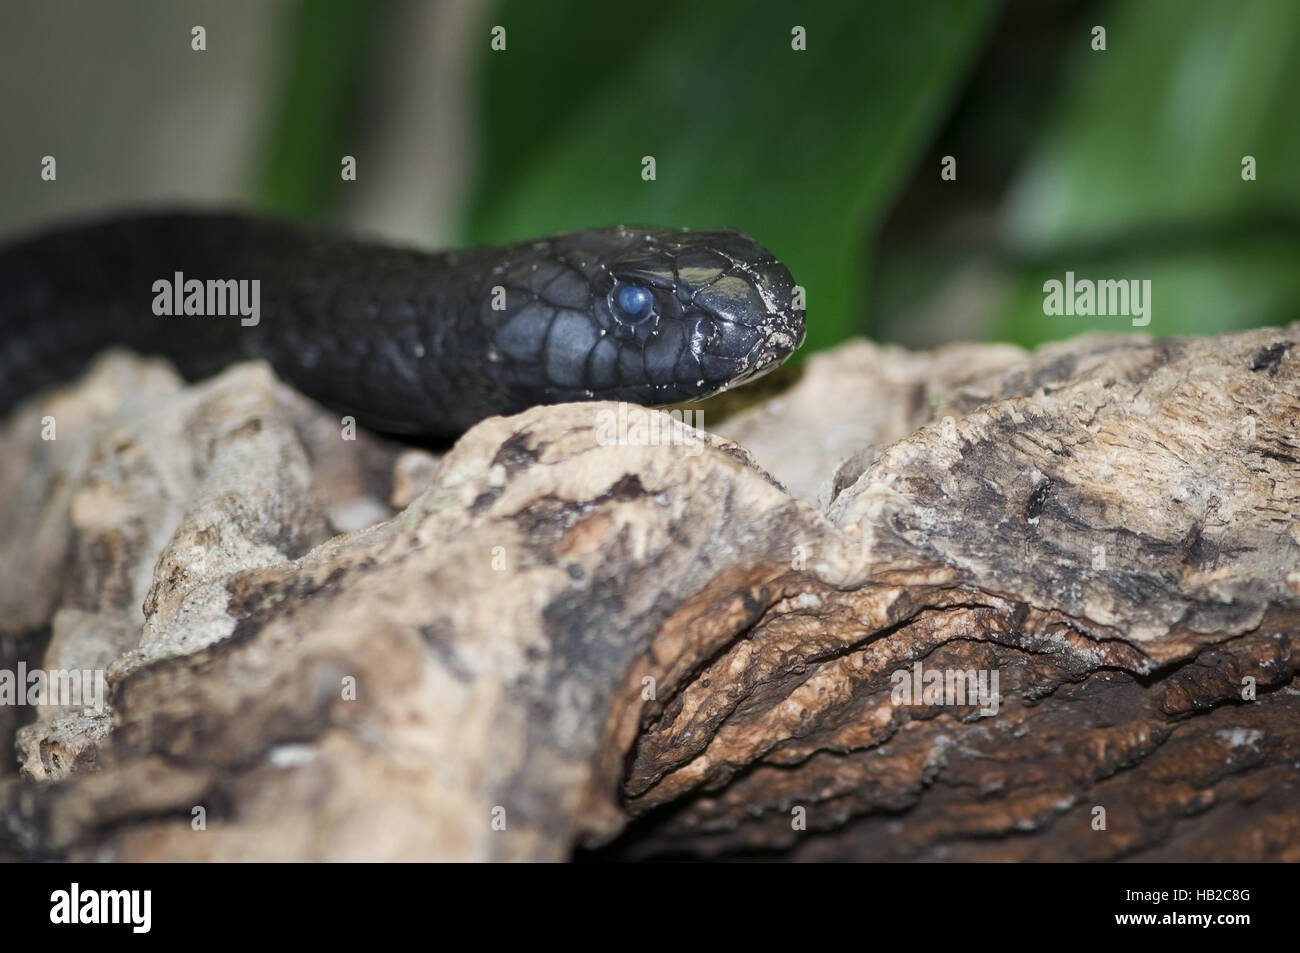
{"points": [[410, 342]]}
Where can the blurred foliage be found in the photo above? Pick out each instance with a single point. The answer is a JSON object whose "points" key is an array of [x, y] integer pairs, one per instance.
{"points": [[1117, 164], [803, 150], [1153, 130], [1138, 171], [333, 45]]}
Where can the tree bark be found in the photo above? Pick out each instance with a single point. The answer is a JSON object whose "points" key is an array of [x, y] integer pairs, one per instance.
{"points": [[712, 643]]}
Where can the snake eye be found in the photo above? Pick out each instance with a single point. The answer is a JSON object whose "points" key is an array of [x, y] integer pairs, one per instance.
{"points": [[634, 303]]}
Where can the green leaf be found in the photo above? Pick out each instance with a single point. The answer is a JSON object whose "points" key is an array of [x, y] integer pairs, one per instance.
{"points": [[1155, 127], [802, 149], [1192, 293], [1139, 173], [315, 111]]}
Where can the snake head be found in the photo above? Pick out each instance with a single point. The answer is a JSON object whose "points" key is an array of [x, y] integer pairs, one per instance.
{"points": [[652, 316]]}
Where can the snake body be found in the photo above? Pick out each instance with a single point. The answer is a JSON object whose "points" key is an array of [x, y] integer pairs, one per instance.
{"points": [[407, 341]]}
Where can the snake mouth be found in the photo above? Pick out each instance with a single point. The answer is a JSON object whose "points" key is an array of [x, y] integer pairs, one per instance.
{"points": [[771, 351]]}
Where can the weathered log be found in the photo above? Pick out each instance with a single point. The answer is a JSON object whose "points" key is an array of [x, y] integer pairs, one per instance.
{"points": [[546, 639]]}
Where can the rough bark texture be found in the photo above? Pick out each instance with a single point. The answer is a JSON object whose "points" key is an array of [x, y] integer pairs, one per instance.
{"points": [[543, 641]]}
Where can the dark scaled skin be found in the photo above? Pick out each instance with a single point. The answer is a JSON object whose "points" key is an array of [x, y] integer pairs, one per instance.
{"points": [[407, 341]]}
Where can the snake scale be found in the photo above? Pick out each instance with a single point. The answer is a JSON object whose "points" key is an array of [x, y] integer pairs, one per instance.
{"points": [[409, 342]]}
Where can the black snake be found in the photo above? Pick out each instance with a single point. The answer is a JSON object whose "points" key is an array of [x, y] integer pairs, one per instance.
{"points": [[407, 341]]}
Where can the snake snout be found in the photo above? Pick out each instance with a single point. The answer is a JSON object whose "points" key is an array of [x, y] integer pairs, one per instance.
{"points": [[784, 326], [772, 350], [780, 344]]}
